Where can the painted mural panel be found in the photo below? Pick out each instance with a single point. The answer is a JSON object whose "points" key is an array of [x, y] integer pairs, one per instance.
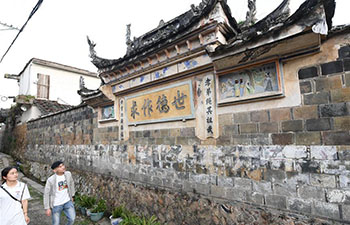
{"points": [[107, 112], [252, 82], [171, 103]]}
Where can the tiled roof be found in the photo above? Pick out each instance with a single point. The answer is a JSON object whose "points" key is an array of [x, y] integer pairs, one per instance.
{"points": [[47, 106]]}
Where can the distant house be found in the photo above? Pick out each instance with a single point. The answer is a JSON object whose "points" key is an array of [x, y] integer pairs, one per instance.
{"points": [[43, 79], [47, 87]]}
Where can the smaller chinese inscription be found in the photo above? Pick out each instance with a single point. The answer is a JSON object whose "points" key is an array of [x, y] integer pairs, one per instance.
{"points": [[209, 107]]}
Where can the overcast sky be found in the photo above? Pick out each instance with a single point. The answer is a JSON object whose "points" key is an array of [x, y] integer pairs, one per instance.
{"points": [[57, 32]]}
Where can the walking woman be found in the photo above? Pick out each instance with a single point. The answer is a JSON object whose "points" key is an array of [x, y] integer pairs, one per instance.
{"points": [[14, 197]]}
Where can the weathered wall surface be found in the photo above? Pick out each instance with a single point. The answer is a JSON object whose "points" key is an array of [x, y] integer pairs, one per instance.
{"points": [[271, 166]]}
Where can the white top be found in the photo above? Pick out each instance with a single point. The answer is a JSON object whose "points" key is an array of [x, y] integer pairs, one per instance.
{"points": [[11, 212], [17, 190], [61, 193]]}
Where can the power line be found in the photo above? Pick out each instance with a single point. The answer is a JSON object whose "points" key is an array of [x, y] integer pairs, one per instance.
{"points": [[9, 26], [36, 7]]}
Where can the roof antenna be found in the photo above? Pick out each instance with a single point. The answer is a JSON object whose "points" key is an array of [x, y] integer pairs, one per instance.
{"points": [[128, 38]]}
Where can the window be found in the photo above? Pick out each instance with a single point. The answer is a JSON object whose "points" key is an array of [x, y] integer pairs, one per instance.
{"points": [[43, 86]]}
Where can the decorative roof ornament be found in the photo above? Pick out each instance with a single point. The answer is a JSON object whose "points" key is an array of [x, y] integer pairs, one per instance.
{"points": [[128, 38], [250, 17], [81, 82], [161, 23], [197, 9], [92, 48]]}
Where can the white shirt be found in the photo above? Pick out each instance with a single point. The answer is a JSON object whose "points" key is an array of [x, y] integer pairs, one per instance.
{"points": [[17, 191], [61, 192], [11, 212]]}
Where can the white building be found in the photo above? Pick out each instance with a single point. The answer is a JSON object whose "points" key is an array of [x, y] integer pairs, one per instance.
{"points": [[47, 87], [53, 81]]}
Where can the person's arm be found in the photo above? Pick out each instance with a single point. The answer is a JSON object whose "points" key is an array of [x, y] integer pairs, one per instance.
{"points": [[25, 210], [73, 186], [46, 198]]}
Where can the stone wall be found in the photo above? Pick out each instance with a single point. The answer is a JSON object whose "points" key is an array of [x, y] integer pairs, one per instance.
{"points": [[271, 166]]}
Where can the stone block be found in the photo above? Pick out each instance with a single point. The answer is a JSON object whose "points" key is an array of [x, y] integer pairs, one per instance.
{"points": [[308, 138], [344, 181], [274, 175], [236, 194], [217, 191], [282, 139], [317, 98], [332, 67], [188, 132], [342, 123], [189, 186], [344, 154], [230, 130], [183, 140], [248, 128], [292, 125], [323, 152], [346, 212], [333, 110], [344, 52], [305, 87], [326, 210], [243, 183], [175, 132], [347, 79], [338, 196], [256, 198], [308, 72], [318, 124], [285, 189], [276, 201], [329, 83], [259, 116], [280, 114], [263, 187], [242, 139], [340, 95], [226, 119], [260, 139], [225, 181], [249, 152], [224, 140], [203, 189], [268, 127], [156, 181], [299, 205], [164, 133], [305, 112], [294, 152], [241, 118], [323, 180], [312, 192], [336, 138]]}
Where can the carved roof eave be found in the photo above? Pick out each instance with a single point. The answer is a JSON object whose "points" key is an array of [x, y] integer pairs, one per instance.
{"points": [[162, 36], [260, 34], [98, 99]]}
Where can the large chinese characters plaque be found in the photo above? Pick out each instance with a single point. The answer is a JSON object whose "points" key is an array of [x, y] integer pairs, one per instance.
{"points": [[174, 102]]}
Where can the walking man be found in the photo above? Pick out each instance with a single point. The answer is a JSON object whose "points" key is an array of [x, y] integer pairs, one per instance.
{"points": [[59, 193]]}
